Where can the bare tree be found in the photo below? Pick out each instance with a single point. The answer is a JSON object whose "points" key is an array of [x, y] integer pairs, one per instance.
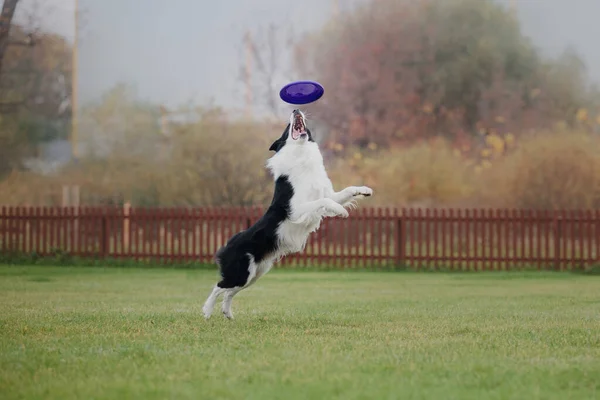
{"points": [[6, 16], [13, 35], [269, 49], [35, 85]]}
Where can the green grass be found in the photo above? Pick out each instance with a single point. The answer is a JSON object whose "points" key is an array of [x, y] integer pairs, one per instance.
{"points": [[95, 333]]}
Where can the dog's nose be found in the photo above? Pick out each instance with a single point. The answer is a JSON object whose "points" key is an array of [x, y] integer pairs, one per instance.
{"points": [[296, 111]]}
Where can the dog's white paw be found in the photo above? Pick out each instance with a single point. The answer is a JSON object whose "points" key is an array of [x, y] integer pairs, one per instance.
{"points": [[333, 209], [207, 311], [340, 211], [344, 213], [363, 191], [226, 310]]}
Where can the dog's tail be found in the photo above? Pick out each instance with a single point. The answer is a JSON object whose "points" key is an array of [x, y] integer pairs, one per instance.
{"points": [[218, 260], [218, 256]]}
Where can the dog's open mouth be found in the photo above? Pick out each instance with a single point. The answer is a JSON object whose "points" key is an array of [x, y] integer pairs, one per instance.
{"points": [[298, 127]]}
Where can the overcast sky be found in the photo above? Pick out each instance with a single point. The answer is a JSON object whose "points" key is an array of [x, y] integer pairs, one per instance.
{"points": [[180, 50]]}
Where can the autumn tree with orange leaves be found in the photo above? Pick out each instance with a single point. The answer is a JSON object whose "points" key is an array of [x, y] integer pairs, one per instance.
{"points": [[400, 71]]}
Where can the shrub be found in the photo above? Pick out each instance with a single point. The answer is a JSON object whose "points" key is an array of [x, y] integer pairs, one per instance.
{"points": [[213, 161], [27, 188], [422, 175], [555, 170]]}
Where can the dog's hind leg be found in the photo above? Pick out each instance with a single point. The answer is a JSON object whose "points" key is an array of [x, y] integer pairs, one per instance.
{"points": [[254, 273], [236, 274], [209, 304], [227, 298]]}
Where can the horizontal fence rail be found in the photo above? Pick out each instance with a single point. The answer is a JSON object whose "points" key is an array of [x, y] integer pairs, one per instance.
{"points": [[465, 239]]}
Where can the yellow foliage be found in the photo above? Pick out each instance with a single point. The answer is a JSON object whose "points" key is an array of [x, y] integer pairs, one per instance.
{"points": [[423, 173], [496, 143], [427, 108], [486, 152], [561, 125], [557, 170], [28, 189], [509, 139], [582, 115]]}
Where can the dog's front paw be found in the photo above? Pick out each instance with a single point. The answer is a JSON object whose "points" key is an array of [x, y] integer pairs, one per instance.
{"points": [[343, 213], [339, 210], [334, 209], [363, 191]]}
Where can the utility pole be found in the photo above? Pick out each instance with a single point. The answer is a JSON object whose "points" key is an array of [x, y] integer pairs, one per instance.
{"points": [[75, 199], [75, 86], [248, 74], [335, 8], [163, 120]]}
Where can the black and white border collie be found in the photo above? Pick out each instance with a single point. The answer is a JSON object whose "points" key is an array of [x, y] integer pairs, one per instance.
{"points": [[303, 196]]}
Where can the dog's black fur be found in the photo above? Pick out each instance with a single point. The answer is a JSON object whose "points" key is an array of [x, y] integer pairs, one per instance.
{"points": [[260, 240]]}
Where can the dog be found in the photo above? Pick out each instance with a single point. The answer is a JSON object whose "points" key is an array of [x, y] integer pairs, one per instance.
{"points": [[302, 197]]}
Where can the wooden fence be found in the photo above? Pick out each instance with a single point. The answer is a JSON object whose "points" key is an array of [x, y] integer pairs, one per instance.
{"points": [[469, 239]]}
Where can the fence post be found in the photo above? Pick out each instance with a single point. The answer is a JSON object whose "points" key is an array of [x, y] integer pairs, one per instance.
{"points": [[3, 230], [105, 236], [557, 242], [400, 242], [126, 224]]}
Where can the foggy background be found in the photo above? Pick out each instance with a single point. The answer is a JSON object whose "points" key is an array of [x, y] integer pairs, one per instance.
{"points": [[431, 102], [186, 49]]}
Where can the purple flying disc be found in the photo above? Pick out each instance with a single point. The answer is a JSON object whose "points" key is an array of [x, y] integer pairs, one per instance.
{"points": [[301, 92]]}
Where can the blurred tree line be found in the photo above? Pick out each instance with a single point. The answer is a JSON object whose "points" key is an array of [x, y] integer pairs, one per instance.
{"points": [[431, 102], [400, 71]]}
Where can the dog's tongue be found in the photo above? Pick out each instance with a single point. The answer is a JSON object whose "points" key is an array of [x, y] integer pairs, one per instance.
{"points": [[295, 134]]}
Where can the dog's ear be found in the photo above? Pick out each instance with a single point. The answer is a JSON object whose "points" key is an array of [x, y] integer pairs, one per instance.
{"points": [[279, 143], [275, 146]]}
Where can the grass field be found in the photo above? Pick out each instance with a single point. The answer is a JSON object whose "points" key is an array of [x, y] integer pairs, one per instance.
{"points": [[94, 333]]}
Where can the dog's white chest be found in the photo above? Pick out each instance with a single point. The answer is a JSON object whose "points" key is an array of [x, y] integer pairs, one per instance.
{"points": [[308, 192], [310, 187], [303, 167], [292, 235]]}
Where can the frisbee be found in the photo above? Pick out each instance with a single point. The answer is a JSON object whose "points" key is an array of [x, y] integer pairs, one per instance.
{"points": [[301, 92]]}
